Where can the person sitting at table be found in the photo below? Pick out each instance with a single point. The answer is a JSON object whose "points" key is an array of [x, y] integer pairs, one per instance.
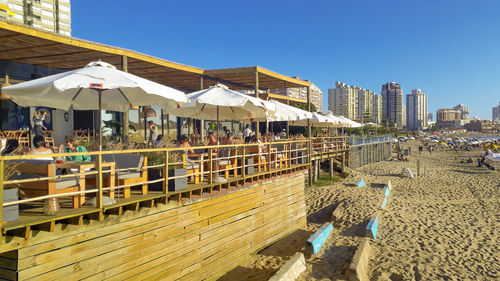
{"points": [[10, 147], [229, 139], [212, 141], [40, 148], [73, 145]]}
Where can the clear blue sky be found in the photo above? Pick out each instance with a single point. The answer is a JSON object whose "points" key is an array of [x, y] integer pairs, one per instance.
{"points": [[448, 48]]}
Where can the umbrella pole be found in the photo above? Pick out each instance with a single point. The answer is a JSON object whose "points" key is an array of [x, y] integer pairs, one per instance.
{"points": [[99, 114], [218, 126]]}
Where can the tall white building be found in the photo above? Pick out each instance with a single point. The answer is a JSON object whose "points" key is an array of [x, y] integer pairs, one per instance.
{"points": [[416, 110], [365, 105], [355, 103], [392, 105], [342, 100], [377, 109], [49, 15]]}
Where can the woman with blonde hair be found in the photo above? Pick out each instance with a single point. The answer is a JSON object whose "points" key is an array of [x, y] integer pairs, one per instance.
{"points": [[73, 145]]}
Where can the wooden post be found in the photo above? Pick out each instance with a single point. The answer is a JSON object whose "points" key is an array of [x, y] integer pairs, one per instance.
{"points": [[168, 126], [2, 172], [287, 122], [257, 95], [331, 167], [269, 160], [342, 166], [210, 165], [99, 181], [165, 174], [125, 121], [309, 161], [202, 122], [309, 133], [243, 160], [418, 167]]}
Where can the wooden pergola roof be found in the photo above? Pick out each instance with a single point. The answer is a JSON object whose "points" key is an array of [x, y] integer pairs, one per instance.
{"points": [[22, 44]]}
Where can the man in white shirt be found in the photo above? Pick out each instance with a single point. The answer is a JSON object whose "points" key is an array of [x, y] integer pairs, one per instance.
{"points": [[246, 133]]}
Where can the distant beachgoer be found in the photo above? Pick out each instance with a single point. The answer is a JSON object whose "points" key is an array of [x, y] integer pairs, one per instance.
{"points": [[430, 149], [420, 149], [38, 119]]}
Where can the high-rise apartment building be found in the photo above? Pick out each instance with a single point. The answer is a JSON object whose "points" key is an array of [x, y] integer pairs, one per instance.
{"points": [[49, 15], [377, 109], [365, 105], [416, 110], [495, 112], [342, 100], [446, 114], [355, 103], [429, 117], [464, 111], [392, 105], [301, 93]]}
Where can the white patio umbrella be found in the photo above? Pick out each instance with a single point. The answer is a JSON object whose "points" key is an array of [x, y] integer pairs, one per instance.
{"points": [[286, 112], [350, 123], [97, 86], [319, 120], [224, 104]]}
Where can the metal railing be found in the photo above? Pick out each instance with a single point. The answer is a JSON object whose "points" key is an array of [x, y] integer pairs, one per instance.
{"points": [[358, 140], [198, 167]]}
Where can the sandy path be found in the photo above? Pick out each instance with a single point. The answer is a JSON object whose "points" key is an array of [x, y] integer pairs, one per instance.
{"points": [[442, 225]]}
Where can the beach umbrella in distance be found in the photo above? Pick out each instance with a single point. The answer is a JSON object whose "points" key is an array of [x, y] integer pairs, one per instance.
{"points": [[221, 103], [97, 86]]}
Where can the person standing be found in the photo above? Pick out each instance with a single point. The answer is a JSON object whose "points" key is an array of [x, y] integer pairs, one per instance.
{"points": [[246, 133], [38, 119], [153, 132]]}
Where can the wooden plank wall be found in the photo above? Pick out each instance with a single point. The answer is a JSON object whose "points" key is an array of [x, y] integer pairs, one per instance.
{"points": [[199, 241]]}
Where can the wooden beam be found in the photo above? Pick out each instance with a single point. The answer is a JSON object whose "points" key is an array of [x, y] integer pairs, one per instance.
{"points": [[79, 43], [52, 55], [38, 47]]}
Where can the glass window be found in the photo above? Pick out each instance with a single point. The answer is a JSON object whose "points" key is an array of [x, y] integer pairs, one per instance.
{"points": [[13, 116]]}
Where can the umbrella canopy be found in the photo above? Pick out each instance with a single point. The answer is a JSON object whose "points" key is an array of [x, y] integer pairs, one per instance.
{"points": [[97, 86], [319, 120], [220, 101], [286, 112], [350, 123], [79, 88]]}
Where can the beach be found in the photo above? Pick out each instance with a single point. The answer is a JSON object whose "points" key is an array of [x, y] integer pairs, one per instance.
{"points": [[441, 225]]}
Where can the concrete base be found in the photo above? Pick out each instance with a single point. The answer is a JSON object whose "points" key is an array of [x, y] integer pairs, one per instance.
{"points": [[371, 228], [359, 264], [291, 269], [317, 240]]}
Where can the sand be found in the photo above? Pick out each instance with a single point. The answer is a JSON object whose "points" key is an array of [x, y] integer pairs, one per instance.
{"points": [[442, 225]]}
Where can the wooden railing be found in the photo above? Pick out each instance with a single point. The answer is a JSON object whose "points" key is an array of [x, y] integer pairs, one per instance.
{"points": [[207, 168]]}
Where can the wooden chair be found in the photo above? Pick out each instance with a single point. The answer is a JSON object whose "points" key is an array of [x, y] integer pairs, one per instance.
{"points": [[134, 175], [192, 167], [281, 156], [260, 158], [24, 141], [47, 168], [228, 163]]}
